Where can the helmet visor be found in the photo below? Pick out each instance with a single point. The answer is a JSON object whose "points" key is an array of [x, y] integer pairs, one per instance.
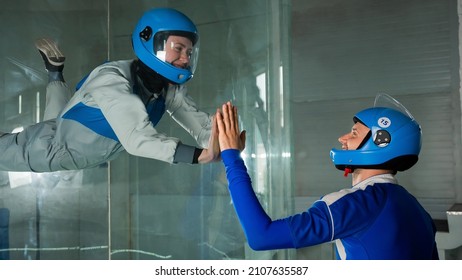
{"points": [[386, 101], [180, 49]]}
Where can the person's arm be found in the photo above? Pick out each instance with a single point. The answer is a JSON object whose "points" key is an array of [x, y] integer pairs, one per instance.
{"points": [[186, 153], [110, 91], [200, 125], [182, 108], [308, 228], [262, 233]]}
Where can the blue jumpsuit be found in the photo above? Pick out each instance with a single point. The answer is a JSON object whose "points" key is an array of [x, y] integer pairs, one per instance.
{"points": [[375, 219], [108, 114]]}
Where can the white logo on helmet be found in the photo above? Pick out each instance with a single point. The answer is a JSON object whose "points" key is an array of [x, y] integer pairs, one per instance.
{"points": [[384, 122]]}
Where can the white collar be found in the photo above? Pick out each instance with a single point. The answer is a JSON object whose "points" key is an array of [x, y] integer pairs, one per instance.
{"points": [[382, 178]]}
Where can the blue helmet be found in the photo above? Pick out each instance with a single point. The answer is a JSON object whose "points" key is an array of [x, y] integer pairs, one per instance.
{"points": [[149, 42], [394, 141]]}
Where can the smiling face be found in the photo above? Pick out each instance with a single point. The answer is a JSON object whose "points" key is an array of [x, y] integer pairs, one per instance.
{"points": [[355, 137], [178, 51]]}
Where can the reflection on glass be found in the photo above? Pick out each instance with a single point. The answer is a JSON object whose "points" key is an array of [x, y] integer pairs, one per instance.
{"points": [[134, 208]]}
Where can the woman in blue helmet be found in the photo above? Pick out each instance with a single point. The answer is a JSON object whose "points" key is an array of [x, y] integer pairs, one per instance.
{"points": [[374, 219], [118, 105]]}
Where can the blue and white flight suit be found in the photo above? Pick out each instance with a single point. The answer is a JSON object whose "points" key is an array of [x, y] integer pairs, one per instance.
{"points": [[109, 113], [375, 219]]}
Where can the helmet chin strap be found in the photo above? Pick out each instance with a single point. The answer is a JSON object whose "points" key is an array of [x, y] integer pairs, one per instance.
{"points": [[347, 171]]}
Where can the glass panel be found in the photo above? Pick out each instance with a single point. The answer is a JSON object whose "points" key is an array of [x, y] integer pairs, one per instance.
{"points": [[133, 207], [61, 215], [185, 211]]}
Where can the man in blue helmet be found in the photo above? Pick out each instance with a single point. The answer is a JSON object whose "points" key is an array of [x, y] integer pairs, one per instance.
{"points": [[374, 219], [118, 105]]}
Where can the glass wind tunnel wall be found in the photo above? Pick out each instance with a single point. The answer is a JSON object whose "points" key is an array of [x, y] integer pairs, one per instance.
{"points": [[132, 207]]}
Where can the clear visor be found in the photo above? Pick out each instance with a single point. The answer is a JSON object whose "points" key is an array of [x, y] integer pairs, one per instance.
{"points": [[385, 100], [178, 51]]}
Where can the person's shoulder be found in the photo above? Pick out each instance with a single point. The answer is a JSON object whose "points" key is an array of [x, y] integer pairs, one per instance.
{"points": [[333, 197], [116, 67], [123, 65]]}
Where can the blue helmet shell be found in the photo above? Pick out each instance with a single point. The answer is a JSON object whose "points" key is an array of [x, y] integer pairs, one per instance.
{"points": [[143, 40], [394, 143]]}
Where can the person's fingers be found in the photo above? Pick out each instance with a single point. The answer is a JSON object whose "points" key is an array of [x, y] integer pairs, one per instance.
{"points": [[236, 119], [214, 124], [232, 117], [220, 124], [226, 116]]}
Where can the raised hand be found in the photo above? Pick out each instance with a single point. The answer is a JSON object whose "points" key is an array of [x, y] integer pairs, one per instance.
{"points": [[212, 153], [229, 134]]}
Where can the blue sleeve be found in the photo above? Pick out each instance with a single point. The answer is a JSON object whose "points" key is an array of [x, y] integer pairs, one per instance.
{"points": [[262, 233], [311, 227]]}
